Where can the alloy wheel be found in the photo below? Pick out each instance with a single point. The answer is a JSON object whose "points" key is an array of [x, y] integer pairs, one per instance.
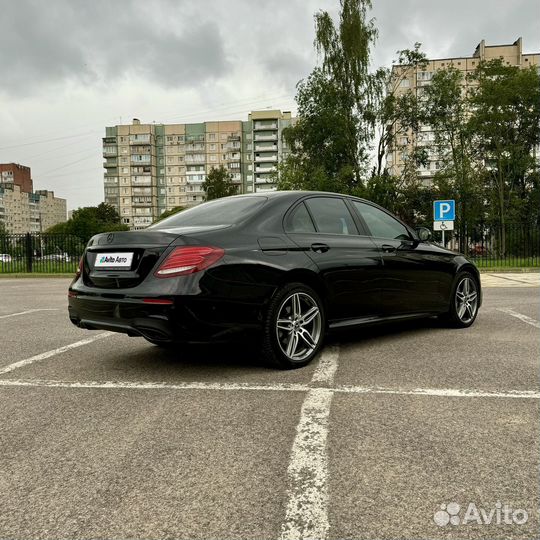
{"points": [[298, 326], [466, 300]]}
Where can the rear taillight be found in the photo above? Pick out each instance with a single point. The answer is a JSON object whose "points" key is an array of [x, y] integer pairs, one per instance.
{"points": [[188, 260]]}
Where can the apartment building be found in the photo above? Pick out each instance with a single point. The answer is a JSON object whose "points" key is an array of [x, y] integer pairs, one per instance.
{"points": [[411, 79], [23, 212], [151, 168], [20, 175]]}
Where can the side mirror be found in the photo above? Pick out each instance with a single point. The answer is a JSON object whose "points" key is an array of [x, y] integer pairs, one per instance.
{"points": [[424, 234]]}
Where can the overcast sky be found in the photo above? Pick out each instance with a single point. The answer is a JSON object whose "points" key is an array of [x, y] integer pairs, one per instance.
{"points": [[70, 67]]}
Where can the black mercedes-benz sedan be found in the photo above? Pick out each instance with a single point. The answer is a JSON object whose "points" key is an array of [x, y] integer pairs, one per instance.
{"points": [[284, 266]]}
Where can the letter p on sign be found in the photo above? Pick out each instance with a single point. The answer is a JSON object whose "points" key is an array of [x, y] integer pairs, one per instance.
{"points": [[444, 210]]}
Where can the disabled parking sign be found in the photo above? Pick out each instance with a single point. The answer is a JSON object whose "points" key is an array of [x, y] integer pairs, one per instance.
{"points": [[444, 210]]}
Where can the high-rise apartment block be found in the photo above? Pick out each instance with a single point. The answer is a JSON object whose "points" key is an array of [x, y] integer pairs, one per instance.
{"points": [[151, 168], [21, 209], [18, 175], [411, 79]]}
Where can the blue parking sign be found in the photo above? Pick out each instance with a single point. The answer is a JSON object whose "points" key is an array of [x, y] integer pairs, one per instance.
{"points": [[444, 210]]}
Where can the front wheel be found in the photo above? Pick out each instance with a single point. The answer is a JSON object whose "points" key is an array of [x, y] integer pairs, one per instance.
{"points": [[294, 327], [464, 301]]}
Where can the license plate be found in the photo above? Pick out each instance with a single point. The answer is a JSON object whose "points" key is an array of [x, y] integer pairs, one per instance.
{"points": [[114, 260]]}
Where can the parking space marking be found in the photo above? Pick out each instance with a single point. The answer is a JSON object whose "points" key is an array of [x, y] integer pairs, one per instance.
{"points": [[26, 312], [307, 505], [276, 387], [327, 366], [123, 385], [307, 494], [54, 352], [520, 316], [438, 392]]}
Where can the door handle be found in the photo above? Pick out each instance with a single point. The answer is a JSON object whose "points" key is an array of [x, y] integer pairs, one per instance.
{"points": [[387, 248], [319, 248]]}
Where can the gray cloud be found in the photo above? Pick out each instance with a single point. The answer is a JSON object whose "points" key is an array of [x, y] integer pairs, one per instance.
{"points": [[51, 43]]}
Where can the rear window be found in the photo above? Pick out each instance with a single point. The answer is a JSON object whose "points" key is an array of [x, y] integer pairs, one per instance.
{"points": [[228, 211]]}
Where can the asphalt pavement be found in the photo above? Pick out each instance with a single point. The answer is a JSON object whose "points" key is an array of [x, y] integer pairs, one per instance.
{"points": [[407, 431]]}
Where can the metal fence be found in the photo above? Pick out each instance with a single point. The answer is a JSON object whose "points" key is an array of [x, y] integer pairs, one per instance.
{"points": [[515, 245], [487, 246], [40, 253]]}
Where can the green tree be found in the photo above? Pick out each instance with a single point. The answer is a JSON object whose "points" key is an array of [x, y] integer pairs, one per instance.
{"points": [[88, 221], [330, 143], [318, 141], [168, 213], [505, 119], [447, 111], [399, 111], [219, 183]]}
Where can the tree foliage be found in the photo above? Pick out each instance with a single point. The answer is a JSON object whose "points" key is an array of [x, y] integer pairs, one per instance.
{"points": [[331, 140], [170, 212], [90, 220], [219, 183]]}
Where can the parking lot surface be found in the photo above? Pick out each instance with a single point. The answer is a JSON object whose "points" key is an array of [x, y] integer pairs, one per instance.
{"points": [[106, 436]]}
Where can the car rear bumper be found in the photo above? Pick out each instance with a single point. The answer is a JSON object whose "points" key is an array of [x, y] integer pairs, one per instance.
{"points": [[186, 320]]}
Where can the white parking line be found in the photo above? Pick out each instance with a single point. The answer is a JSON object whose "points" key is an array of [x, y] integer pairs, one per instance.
{"points": [[520, 316], [121, 385], [307, 507], [26, 312], [327, 366], [438, 392], [54, 352]]}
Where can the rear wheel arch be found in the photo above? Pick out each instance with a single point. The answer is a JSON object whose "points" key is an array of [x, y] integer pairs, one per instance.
{"points": [[307, 277]]}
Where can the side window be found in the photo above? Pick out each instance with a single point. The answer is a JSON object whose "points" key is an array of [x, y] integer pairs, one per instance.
{"points": [[300, 221], [380, 223], [331, 215]]}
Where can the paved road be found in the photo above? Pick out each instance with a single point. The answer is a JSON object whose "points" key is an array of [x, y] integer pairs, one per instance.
{"points": [[105, 436]]}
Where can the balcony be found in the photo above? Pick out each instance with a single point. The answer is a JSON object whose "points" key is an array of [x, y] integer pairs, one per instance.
{"points": [[138, 181], [110, 163], [189, 148], [265, 169], [264, 125], [265, 138], [108, 151], [266, 159], [264, 180], [270, 148], [143, 138]]}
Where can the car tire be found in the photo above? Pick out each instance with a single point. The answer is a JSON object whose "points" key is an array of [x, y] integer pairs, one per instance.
{"points": [[294, 327], [464, 301]]}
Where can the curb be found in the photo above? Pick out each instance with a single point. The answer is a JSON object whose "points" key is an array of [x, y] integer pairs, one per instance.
{"points": [[34, 275]]}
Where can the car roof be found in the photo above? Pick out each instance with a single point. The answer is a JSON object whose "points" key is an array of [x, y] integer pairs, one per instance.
{"points": [[295, 194]]}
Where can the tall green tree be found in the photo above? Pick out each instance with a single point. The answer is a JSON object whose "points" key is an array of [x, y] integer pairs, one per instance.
{"points": [[335, 104], [505, 120], [399, 111], [219, 183], [447, 111]]}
